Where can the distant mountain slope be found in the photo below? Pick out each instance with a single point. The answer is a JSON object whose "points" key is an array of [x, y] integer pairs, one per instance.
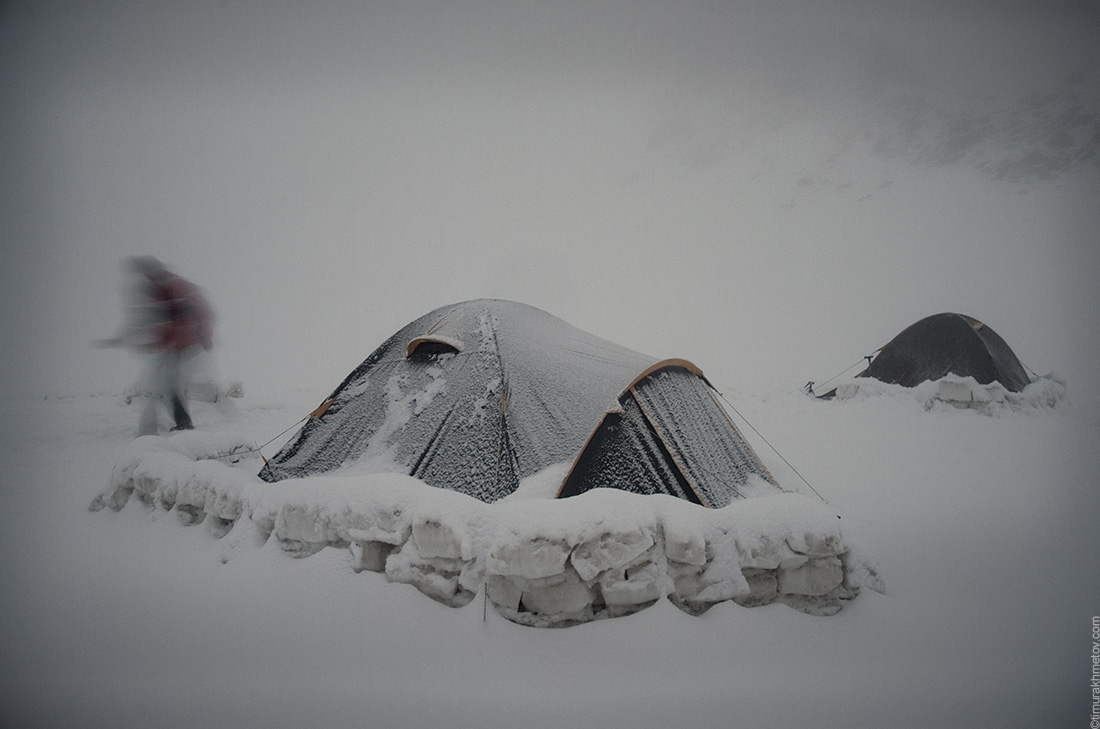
{"points": [[1036, 137]]}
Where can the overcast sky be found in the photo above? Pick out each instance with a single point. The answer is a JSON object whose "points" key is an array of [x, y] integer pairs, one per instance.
{"points": [[770, 189]]}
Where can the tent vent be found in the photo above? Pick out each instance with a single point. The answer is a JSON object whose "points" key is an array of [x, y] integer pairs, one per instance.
{"points": [[429, 345]]}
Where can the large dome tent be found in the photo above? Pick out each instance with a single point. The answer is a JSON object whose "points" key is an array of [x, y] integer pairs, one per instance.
{"points": [[477, 396]]}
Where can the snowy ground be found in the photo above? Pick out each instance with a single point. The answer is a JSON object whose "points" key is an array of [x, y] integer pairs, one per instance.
{"points": [[984, 526]]}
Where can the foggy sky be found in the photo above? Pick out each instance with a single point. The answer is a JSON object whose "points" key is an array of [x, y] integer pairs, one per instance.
{"points": [[739, 184]]}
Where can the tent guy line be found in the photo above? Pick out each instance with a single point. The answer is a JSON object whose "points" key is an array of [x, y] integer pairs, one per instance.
{"points": [[774, 449], [809, 386]]}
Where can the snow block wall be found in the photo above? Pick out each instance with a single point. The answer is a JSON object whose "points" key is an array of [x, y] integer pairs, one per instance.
{"points": [[965, 393], [541, 562]]}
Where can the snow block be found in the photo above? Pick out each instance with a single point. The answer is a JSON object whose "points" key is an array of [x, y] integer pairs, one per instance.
{"points": [[696, 590], [642, 581], [301, 523], [763, 588], [384, 525], [816, 544], [565, 595], [529, 558], [435, 539], [686, 547], [439, 579], [720, 580], [367, 554], [767, 551], [608, 551], [818, 576], [503, 592]]}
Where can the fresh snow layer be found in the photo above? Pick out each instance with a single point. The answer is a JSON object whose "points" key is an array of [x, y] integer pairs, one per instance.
{"points": [[541, 562]]}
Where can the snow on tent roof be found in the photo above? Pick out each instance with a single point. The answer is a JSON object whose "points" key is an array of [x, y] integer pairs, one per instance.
{"points": [[476, 396], [944, 344]]}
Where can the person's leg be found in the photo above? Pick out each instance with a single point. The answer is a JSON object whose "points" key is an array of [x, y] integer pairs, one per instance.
{"points": [[156, 389], [178, 393], [180, 414]]}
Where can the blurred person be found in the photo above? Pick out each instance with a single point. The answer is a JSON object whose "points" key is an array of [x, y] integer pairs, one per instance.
{"points": [[170, 319]]}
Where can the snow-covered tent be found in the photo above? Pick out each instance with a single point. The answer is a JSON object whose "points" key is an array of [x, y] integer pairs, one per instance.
{"points": [[477, 396], [944, 344]]}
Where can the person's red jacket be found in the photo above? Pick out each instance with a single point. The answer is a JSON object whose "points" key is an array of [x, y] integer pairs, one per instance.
{"points": [[188, 321]]}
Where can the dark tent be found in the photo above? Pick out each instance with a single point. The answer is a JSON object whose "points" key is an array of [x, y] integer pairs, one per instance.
{"points": [[948, 344], [476, 396]]}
